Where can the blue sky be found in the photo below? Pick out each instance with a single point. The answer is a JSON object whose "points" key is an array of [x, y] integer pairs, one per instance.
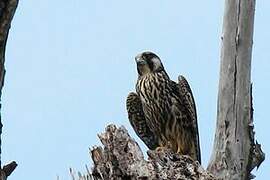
{"points": [[70, 65]]}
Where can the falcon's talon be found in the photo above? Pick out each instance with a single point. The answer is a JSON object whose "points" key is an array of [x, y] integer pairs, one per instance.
{"points": [[160, 149]]}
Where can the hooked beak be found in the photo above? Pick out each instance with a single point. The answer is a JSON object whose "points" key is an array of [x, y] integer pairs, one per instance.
{"points": [[139, 60]]}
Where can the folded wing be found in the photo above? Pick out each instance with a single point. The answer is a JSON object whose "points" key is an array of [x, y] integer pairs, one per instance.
{"points": [[189, 103], [137, 120]]}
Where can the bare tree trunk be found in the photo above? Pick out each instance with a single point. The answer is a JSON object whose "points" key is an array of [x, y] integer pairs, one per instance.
{"points": [[7, 10], [233, 155]]}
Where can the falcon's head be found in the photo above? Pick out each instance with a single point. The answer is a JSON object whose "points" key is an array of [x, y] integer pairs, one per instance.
{"points": [[148, 62]]}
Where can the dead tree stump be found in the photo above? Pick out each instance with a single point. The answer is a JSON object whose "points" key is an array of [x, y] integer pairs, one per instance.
{"points": [[122, 159]]}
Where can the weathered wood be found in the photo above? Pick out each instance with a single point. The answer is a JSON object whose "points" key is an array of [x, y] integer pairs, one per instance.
{"points": [[7, 11], [234, 146], [122, 159]]}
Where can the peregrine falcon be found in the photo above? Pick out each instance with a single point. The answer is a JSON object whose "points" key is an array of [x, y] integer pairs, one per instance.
{"points": [[162, 112]]}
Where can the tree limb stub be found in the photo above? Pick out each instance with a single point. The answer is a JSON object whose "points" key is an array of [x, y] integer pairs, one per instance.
{"points": [[122, 158], [9, 168]]}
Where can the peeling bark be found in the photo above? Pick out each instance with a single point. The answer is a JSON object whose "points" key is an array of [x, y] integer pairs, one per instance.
{"points": [[7, 11], [122, 159], [234, 152]]}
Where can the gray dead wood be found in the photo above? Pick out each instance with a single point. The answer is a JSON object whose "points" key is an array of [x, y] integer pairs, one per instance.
{"points": [[122, 159], [235, 152], [7, 10]]}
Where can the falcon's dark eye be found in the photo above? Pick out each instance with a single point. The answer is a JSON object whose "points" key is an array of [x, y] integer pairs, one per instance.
{"points": [[148, 56], [144, 56], [150, 64]]}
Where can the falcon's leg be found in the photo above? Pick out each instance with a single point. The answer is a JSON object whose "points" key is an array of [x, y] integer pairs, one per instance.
{"points": [[187, 148]]}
